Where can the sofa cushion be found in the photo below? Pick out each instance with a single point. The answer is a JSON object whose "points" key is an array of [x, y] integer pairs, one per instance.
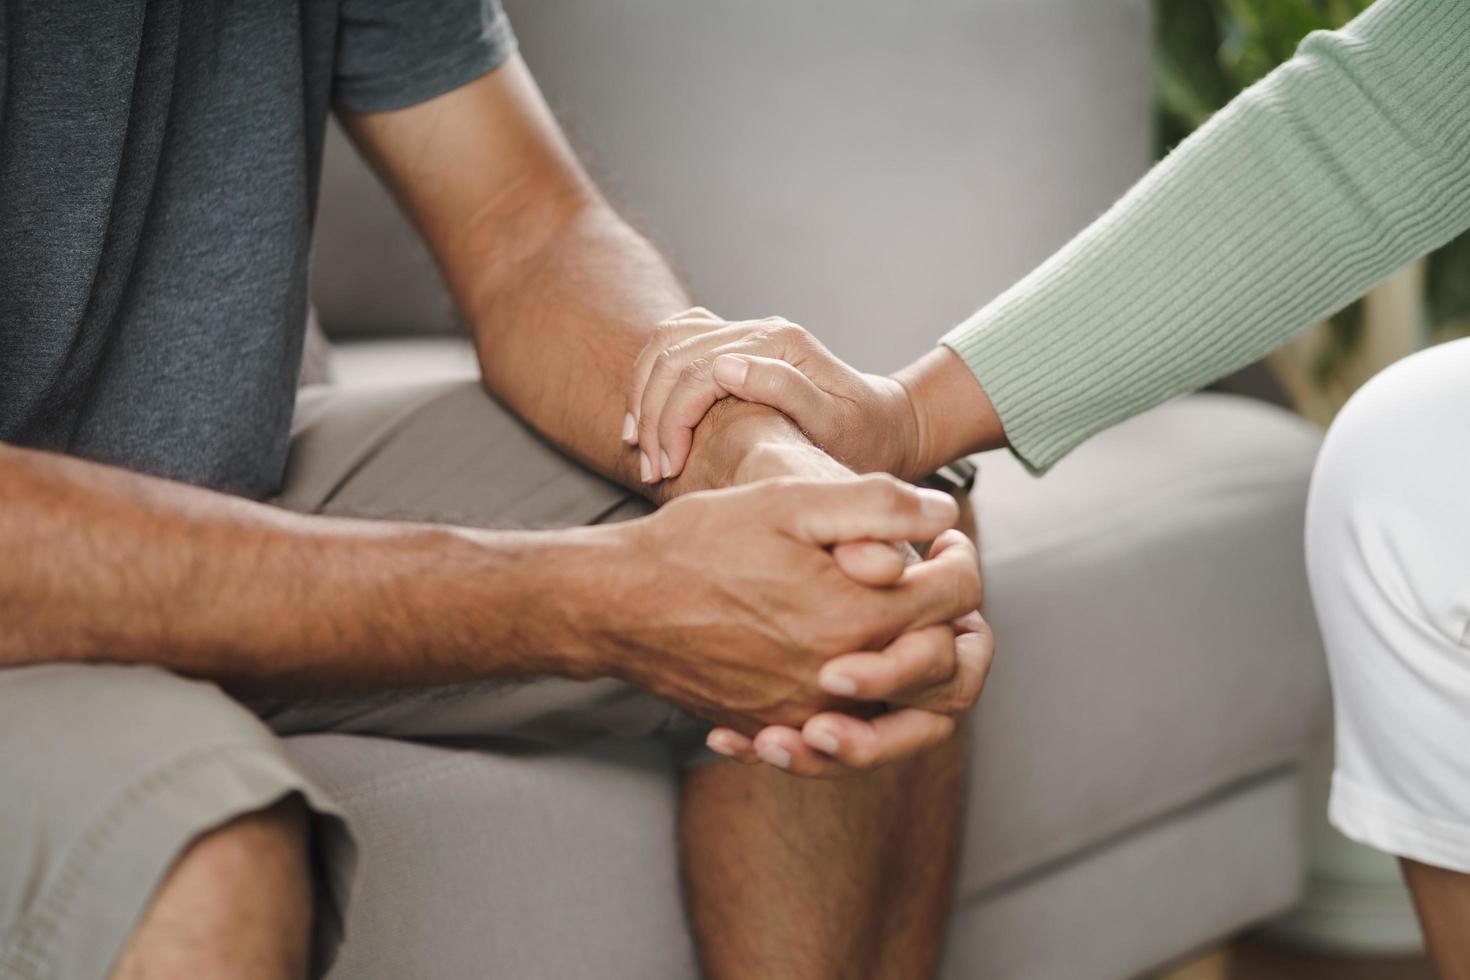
{"points": [[876, 170], [1155, 638], [1141, 899], [492, 864]]}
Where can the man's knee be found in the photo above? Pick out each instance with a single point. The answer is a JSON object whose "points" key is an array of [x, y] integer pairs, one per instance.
{"points": [[271, 842], [1387, 525], [236, 903]]}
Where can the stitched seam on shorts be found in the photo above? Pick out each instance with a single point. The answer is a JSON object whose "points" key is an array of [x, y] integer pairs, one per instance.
{"points": [[371, 445], [25, 947], [374, 787]]}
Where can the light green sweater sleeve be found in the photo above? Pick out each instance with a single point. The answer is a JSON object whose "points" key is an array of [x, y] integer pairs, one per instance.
{"points": [[1348, 161]]}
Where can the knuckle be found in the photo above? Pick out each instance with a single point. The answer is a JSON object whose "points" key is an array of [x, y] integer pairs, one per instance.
{"points": [[960, 696], [788, 331], [893, 492], [942, 661], [697, 371], [974, 587], [860, 620], [861, 754], [942, 732], [664, 363], [766, 334], [783, 490], [961, 596], [970, 688]]}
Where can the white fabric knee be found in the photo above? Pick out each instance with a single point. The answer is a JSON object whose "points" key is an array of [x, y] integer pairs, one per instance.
{"points": [[1388, 554]]}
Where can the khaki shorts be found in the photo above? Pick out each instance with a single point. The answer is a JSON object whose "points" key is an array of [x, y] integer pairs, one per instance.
{"points": [[107, 772]]}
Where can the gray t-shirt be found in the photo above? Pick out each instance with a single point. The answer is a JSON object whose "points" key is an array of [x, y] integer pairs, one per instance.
{"points": [[159, 162]]}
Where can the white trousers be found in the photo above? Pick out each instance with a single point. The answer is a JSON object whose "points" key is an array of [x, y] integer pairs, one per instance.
{"points": [[1388, 555]]}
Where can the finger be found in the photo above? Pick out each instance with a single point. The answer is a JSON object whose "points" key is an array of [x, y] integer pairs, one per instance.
{"points": [[970, 622], [771, 381], [732, 745], [867, 744], [785, 749], [668, 367], [940, 589], [684, 407], [764, 380], [669, 333], [974, 653], [875, 507], [957, 538], [875, 563], [914, 662]]}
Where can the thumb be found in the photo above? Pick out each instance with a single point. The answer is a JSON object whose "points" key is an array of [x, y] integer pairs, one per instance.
{"points": [[875, 563], [772, 382]]}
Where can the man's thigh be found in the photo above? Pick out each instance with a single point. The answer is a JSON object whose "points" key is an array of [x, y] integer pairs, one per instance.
{"points": [[445, 453], [449, 453]]}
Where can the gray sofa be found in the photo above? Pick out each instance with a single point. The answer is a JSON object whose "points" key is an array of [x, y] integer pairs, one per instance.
{"points": [[876, 170]]}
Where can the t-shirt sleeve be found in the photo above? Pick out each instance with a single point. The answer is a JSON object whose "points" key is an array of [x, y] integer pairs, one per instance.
{"points": [[394, 53]]}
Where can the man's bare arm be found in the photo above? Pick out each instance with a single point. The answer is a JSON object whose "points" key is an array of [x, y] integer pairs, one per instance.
{"points": [[561, 293], [105, 564]]}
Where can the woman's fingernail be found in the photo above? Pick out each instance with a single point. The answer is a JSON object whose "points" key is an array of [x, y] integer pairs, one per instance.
{"points": [[731, 370], [821, 739], [630, 428], [665, 466], [774, 755], [838, 684], [718, 744], [645, 471]]}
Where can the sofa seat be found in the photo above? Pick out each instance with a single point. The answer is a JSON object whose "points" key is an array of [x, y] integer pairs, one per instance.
{"points": [[1157, 676], [1155, 637]]}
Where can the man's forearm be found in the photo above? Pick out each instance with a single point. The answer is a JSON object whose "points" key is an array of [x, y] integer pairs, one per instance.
{"points": [[557, 342], [102, 564], [558, 331], [560, 292]]}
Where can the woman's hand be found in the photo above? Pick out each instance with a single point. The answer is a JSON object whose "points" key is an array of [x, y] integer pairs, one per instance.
{"points": [[696, 358]]}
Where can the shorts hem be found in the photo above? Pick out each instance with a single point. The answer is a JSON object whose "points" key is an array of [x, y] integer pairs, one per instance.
{"points": [[90, 906], [1388, 825]]}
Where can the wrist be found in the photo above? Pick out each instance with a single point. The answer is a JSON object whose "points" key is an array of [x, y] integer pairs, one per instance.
{"points": [[740, 442], [546, 596], [603, 592], [952, 415], [900, 432]]}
